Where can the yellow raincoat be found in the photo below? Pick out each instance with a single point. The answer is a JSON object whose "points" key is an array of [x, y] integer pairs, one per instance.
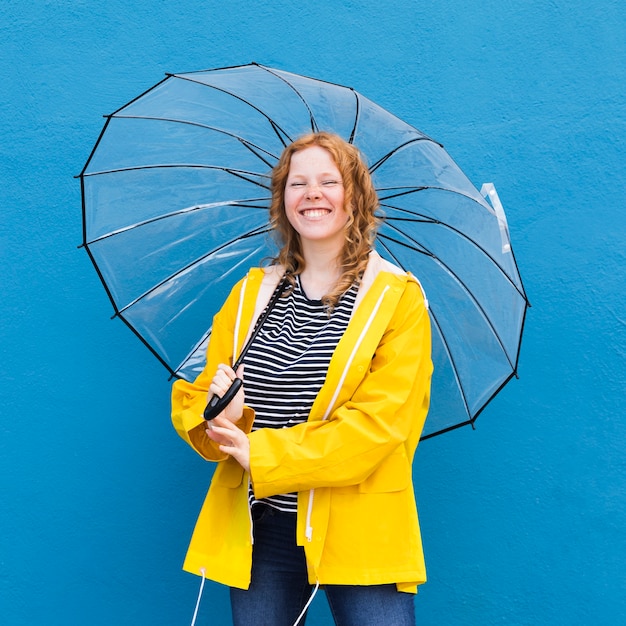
{"points": [[350, 462]]}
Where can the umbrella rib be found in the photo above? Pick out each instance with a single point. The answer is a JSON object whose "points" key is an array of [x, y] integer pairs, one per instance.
{"points": [[442, 431], [314, 126], [280, 133], [252, 147], [357, 116], [446, 346], [253, 233], [241, 204], [407, 191], [401, 146], [146, 343], [243, 174], [458, 280], [93, 151], [141, 95]]}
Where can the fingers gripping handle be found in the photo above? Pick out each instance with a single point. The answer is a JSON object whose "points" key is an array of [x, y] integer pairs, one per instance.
{"points": [[216, 405]]}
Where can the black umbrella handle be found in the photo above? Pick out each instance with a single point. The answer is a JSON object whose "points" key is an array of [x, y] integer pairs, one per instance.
{"points": [[216, 405]]}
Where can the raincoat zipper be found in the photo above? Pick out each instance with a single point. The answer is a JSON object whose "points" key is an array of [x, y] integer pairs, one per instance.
{"points": [[250, 510]]}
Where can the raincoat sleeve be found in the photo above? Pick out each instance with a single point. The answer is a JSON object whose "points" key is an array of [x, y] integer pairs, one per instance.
{"points": [[189, 399], [382, 417]]}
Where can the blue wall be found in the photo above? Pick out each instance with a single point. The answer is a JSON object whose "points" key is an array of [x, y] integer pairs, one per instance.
{"points": [[524, 518]]}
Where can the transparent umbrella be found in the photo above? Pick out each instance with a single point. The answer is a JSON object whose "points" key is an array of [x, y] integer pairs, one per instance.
{"points": [[175, 209]]}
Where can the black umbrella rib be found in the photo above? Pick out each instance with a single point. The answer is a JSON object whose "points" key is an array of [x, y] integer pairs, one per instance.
{"points": [[473, 419], [357, 116], [280, 133], [256, 150], [433, 316], [450, 428], [401, 146], [141, 95], [93, 150], [253, 233], [146, 343], [243, 174], [406, 191], [239, 204], [83, 208], [314, 126], [429, 253], [214, 69]]}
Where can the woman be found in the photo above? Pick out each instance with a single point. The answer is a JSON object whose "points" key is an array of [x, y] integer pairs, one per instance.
{"points": [[314, 482]]}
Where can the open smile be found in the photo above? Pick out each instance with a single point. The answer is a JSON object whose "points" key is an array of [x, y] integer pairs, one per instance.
{"points": [[315, 213]]}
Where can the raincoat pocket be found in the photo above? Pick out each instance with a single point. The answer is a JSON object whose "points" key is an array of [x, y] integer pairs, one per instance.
{"points": [[228, 474]]}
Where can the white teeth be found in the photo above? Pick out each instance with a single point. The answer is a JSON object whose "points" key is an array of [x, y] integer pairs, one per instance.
{"points": [[315, 212]]}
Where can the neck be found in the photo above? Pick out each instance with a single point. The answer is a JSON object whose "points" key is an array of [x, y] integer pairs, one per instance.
{"points": [[321, 271]]}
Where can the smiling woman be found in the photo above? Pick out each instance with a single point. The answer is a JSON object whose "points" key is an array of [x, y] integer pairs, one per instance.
{"points": [[314, 480]]}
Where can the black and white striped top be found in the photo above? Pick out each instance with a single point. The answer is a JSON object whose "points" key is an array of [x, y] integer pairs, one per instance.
{"points": [[286, 364]]}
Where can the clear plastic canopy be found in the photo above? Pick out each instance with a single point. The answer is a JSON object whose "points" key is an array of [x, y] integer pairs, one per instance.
{"points": [[175, 210]]}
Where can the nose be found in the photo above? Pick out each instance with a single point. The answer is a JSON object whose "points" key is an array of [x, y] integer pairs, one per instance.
{"points": [[313, 191]]}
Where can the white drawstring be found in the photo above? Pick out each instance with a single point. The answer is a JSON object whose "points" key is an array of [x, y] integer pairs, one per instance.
{"points": [[238, 318], [195, 613], [203, 571], [306, 606]]}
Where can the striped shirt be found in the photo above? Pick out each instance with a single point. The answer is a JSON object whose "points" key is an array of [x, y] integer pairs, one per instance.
{"points": [[286, 364]]}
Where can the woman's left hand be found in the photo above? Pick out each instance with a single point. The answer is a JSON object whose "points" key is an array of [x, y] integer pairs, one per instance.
{"points": [[231, 439]]}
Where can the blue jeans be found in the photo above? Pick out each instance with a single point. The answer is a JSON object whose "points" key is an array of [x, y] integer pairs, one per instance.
{"points": [[280, 589]]}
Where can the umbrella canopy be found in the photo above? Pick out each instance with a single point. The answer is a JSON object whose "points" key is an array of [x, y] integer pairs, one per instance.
{"points": [[175, 209]]}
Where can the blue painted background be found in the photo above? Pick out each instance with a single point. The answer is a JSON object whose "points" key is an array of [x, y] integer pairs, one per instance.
{"points": [[523, 519]]}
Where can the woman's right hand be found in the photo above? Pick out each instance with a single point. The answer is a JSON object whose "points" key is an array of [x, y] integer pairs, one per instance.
{"points": [[221, 383]]}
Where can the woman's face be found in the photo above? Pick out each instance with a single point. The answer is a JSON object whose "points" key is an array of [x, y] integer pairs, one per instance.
{"points": [[314, 197]]}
